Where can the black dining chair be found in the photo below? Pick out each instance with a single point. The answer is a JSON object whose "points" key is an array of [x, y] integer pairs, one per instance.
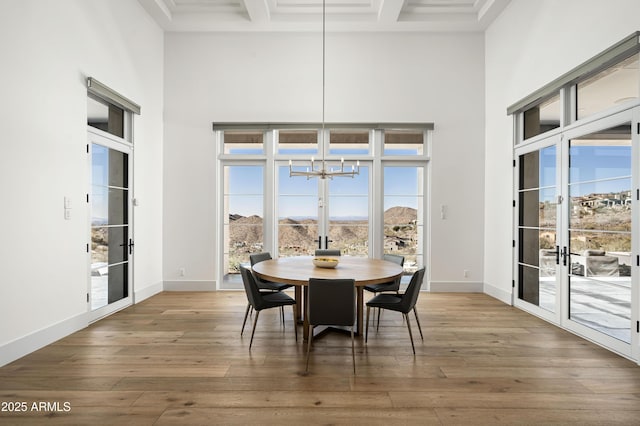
{"points": [[403, 303], [328, 252], [331, 302], [264, 285], [389, 286], [259, 301]]}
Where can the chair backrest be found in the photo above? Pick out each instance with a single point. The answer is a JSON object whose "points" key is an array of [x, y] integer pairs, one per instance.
{"points": [[251, 288], [328, 252], [394, 258], [259, 257], [410, 297], [331, 302]]}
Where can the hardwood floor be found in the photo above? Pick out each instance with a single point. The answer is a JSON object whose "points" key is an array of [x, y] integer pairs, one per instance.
{"points": [[178, 358]]}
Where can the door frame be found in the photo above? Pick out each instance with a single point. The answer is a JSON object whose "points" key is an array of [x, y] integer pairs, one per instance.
{"points": [[553, 317], [561, 316], [629, 350], [97, 136]]}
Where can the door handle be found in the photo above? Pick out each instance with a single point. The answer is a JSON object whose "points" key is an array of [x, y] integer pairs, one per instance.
{"points": [[557, 255], [131, 246], [319, 242], [327, 241], [564, 256]]}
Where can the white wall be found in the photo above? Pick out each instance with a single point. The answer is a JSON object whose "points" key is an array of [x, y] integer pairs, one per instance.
{"points": [[48, 49], [529, 45], [276, 77]]}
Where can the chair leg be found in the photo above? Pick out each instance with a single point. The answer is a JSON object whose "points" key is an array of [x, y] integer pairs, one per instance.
{"points": [[353, 352], [406, 317], [246, 314], [366, 327], [378, 326], [295, 326], [309, 339], [255, 321], [282, 315], [418, 321]]}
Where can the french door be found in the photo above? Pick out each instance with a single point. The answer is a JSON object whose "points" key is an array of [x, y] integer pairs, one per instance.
{"points": [[577, 230], [323, 213], [111, 247]]}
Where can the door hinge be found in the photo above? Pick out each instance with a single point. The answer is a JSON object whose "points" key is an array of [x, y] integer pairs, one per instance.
{"points": [[514, 203], [637, 260], [87, 297], [87, 248], [637, 326], [87, 198], [638, 129], [87, 148], [513, 283], [514, 163], [513, 243], [637, 194]]}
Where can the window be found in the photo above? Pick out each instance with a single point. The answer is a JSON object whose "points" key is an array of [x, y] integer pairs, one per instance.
{"points": [[344, 142], [614, 85], [243, 214], [105, 116], [542, 117], [298, 142], [264, 209], [404, 142], [403, 214], [243, 142]]}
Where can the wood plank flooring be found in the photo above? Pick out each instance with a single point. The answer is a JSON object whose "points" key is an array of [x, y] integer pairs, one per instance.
{"points": [[178, 358]]}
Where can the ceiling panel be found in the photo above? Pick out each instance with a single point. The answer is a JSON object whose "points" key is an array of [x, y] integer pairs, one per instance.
{"points": [[341, 15]]}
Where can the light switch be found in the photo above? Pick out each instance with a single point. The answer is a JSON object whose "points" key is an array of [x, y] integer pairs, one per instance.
{"points": [[67, 202]]}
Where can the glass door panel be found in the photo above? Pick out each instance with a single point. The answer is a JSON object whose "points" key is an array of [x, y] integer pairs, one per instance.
{"points": [[538, 250], [600, 213], [243, 230], [403, 214], [111, 244], [297, 214], [348, 214]]}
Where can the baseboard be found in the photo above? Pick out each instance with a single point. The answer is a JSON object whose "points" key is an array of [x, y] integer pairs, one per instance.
{"points": [[455, 287], [189, 285], [147, 292], [501, 295], [32, 342]]}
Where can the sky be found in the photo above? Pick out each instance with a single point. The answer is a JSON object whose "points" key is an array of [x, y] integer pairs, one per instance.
{"points": [[594, 169], [298, 196]]}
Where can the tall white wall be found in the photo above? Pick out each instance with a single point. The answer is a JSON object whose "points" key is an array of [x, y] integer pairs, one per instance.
{"points": [[48, 49], [529, 45], [262, 77]]}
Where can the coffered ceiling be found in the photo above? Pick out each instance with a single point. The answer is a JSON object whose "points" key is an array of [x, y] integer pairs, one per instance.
{"points": [[341, 15]]}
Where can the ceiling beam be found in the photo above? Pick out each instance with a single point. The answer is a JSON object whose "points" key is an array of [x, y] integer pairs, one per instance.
{"points": [[390, 10], [158, 10], [258, 10]]}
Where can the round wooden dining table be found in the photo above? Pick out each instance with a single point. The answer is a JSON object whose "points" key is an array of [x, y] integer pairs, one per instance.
{"points": [[297, 271]]}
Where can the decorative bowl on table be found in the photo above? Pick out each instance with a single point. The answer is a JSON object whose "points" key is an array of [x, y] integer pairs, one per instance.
{"points": [[325, 262]]}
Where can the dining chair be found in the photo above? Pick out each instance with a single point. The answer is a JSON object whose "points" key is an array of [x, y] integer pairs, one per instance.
{"points": [[328, 252], [259, 301], [403, 303], [391, 285], [331, 302], [264, 285]]}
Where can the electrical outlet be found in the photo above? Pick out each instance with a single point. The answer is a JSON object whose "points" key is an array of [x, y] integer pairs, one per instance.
{"points": [[181, 272], [466, 273]]}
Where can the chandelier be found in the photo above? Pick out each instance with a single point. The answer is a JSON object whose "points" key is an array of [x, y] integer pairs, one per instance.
{"points": [[322, 171]]}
